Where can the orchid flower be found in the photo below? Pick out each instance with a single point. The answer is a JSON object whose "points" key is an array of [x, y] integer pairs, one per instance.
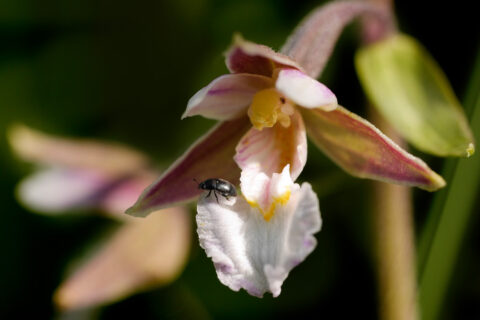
{"points": [[81, 174], [265, 107], [269, 92]]}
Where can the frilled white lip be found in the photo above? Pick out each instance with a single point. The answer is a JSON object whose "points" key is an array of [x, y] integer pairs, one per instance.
{"points": [[252, 253]]}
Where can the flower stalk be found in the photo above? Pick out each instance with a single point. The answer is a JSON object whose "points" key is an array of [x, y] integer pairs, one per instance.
{"points": [[392, 212], [394, 245]]}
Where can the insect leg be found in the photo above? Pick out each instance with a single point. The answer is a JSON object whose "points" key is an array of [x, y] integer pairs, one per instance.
{"points": [[208, 195], [215, 195]]}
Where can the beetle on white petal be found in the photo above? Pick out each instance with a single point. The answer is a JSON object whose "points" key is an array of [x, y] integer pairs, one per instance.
{"points": [[253, 251]]}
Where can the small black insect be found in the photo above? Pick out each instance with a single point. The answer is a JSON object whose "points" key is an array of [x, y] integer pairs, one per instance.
{"points": [[221, 186]]}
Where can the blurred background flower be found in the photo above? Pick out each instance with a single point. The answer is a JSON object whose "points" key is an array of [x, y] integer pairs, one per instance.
{"points": [[124, 71], [78, 175]]}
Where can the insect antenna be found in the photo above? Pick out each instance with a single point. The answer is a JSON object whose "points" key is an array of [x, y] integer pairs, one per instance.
{"points": [[198, 183]]}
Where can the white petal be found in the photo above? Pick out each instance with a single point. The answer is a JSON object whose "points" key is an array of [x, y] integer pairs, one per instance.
{"points": [[264, 191], [254, 185], [281, 184], [57, 190], [305, 91], [226, 97], [254, 254]]}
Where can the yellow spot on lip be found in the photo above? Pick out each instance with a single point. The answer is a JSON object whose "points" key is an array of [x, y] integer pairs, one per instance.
{"points": [[268, 214], [283, 199]]}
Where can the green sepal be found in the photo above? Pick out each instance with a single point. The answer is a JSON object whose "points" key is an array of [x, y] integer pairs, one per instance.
{"points": [[410, 90]]}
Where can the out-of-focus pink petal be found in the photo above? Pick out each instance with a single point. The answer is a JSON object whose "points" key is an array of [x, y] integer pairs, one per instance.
{"points": [[269, 150], [226, 97], [210, 157], [109, 158], [305, 91], [56, 190], [248, 57], [123, 194], [362, 150], [252, 253], [140, 255]]}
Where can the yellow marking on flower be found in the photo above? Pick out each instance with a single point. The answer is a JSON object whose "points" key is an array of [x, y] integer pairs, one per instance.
{"points": [[284, 120], [283, 199], [268, 107], [252, 203], [270, 212], [284, 144]]}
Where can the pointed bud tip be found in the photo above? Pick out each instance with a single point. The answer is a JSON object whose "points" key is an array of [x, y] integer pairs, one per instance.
{"points": [[137, 212], [437, 182], [20, 137], [237, 41], [470, 150], [237, 38]]}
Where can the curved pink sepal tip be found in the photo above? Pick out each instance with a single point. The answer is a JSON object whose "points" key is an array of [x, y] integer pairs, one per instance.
{"points": [[364, 151]]}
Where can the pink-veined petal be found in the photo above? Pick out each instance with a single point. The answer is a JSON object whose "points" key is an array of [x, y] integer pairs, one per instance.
{"points": [[263, 153], [248, 57], [260, 153], [56, 190], [140, 255], [252, 253], [211, 156], [364, 151], [226, 97], [305, 91]]}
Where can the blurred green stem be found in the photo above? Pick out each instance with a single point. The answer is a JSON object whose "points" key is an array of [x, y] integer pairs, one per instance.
{"points": [[394, 244], [392, 221], [447, 221]]}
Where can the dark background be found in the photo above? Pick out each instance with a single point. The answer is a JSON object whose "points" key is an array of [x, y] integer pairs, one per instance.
{"points": [[124, 71]]}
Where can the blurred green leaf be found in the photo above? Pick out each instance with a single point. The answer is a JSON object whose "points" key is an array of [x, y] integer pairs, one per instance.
{"points": [[413, 94], [447, 221]]}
